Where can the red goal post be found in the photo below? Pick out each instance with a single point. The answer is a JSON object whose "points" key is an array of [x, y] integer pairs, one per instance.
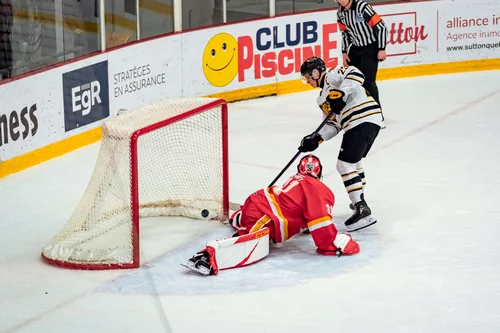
{"points": [[169, 158]]}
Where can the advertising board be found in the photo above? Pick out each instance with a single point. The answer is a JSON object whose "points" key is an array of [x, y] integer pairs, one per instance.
{"points": [[71, 99], [145, 72], [468, 31], [52, 105]]}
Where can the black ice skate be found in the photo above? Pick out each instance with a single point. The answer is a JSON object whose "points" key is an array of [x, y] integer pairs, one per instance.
{"points": [[351, 205], [200, 264], [361, 218]]}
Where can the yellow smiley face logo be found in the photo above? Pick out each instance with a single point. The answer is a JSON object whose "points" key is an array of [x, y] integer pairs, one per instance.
{"points": [[220, 59]]}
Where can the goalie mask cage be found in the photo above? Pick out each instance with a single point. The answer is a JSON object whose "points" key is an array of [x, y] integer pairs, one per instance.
{"points": [[169, 158]]}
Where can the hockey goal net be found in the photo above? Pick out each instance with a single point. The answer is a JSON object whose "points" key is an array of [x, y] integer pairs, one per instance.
{"points": [[169, 158]]}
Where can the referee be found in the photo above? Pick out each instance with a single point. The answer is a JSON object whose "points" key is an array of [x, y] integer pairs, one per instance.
{"points": [[364, 37]]}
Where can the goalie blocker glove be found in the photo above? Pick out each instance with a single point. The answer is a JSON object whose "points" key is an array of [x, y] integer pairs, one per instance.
{"points": [[309, 143]]}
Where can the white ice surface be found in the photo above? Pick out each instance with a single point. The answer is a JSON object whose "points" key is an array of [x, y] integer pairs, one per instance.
{"points": [[431, 263]]}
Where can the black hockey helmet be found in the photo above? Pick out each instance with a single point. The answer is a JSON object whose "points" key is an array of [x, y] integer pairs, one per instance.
{"points": [[310, 65], [310, 165]]}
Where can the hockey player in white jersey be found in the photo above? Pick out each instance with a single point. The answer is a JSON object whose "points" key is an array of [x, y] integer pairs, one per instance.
{"points": [[358, 115]]}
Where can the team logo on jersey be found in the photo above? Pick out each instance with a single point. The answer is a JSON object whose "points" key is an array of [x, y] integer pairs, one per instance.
{"points": [[334, 94], [359, 18], [325, 107]]}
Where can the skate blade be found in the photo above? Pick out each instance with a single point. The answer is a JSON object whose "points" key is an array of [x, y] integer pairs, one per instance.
{"points": [[361, 224], [201, 270]]}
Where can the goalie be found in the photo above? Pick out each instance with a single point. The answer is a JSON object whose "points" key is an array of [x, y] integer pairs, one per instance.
{"points": [[277, 214]]}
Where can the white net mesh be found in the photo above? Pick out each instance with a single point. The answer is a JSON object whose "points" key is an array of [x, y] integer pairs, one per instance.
{"points": [[180, 173]]}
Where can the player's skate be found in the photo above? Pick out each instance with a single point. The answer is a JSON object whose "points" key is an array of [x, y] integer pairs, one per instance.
{"points": [[200, 264], [361, 218], [351, 205]]}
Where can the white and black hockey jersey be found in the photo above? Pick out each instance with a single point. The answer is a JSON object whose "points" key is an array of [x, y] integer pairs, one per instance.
{"points": [[360, 106]]}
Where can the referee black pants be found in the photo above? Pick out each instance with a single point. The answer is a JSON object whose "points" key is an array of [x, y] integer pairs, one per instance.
{"points": [[365, 59]]}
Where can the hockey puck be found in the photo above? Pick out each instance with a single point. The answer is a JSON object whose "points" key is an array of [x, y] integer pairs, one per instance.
{"points": [[204, 213]]}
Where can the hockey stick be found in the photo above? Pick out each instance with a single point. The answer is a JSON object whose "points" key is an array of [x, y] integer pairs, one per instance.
{"points": [[313, 135]]}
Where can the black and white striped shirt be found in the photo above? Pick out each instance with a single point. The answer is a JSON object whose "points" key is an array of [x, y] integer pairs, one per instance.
{"points": [[361, 25]]}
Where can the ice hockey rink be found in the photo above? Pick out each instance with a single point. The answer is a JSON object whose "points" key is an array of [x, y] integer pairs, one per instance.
{"points": [[430, 264]]}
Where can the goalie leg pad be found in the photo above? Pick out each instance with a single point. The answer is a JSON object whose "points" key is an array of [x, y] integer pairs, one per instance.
{"points": [[231, 253]]}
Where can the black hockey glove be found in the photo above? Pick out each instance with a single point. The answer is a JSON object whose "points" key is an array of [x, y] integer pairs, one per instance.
{"points": [[336, 100], [310, 144]]}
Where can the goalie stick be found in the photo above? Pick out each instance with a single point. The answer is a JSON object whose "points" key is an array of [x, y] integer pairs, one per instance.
{"points": [[313, 135]]}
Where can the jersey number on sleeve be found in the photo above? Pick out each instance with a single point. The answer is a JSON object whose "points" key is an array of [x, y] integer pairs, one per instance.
{"points": [[329, 209], [342, 70]]}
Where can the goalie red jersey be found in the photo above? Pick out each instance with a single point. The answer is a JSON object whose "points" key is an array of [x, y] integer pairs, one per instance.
{"points": [[303, 202], [278, 213]]}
